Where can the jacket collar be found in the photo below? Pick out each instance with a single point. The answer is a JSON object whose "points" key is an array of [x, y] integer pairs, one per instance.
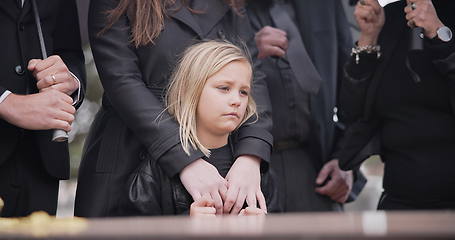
{"points": [[201, 23], [212, 12], [27, 8], [11, 8]]}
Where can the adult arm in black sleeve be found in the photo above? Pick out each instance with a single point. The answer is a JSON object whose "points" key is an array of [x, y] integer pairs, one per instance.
{"points": [[117, 64], [344, 46]]}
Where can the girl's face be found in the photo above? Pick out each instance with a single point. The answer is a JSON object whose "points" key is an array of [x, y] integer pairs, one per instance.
{"points": [[224, 100]]}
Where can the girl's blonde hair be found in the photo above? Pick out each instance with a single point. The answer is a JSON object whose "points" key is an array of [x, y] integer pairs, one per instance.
{"points": [[199, 62]]}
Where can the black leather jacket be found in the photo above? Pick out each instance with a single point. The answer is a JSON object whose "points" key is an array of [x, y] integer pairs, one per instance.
{"points": [[151, 192]]}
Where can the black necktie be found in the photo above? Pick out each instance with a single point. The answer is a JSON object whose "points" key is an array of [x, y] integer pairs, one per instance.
{"points": [[306, 74]]}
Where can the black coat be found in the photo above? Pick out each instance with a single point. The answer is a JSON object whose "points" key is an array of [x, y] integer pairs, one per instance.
{"points": [[19, 41], [359, 91], [134, 81]]}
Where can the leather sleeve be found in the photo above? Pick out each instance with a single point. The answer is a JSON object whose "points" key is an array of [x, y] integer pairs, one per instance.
{"points": [[144, 190], [117, 65]]}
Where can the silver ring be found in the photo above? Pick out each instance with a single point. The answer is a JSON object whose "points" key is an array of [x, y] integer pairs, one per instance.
{"points": [[54, 81], [413, 6]]}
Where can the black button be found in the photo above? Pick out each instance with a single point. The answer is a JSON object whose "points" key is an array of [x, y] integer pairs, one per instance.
{"points": [[19, 70], [21, 26]]}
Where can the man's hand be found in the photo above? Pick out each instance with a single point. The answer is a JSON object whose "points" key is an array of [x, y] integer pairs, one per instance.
{"points": [[202, 178], [271, 42], [423, 15], [371, 18], [340, 184], [52, 73], [244, 183], [41, 111], [205, 206]]}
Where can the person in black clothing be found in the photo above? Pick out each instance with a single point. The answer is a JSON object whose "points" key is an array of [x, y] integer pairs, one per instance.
{"points": [[405, 97], [209, 96], [36, 96], [136, 44], [302, 76]]}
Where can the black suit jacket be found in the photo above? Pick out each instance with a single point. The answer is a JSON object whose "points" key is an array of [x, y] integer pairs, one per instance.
{"points": [[19, 43], [134, 81]]}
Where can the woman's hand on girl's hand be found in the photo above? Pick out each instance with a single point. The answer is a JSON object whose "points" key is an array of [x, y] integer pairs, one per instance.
{"points": [[205, 206], [201, 178], [244, 183]]}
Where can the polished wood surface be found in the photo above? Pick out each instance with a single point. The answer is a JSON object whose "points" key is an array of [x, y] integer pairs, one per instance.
{"points": [[365, 225]]}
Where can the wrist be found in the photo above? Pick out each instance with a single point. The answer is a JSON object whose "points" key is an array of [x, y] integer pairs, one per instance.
{"points": [[5, 105], [432, 31], [250, 159], [190, 166], [365, 40]]}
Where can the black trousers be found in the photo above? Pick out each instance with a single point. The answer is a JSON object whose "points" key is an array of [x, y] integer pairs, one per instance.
{"points": [[25, 186]]}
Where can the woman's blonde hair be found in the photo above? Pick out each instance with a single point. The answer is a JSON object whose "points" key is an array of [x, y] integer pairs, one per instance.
{"points": [[199, 62]]}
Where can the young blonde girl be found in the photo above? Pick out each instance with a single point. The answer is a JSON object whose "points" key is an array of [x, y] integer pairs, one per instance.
{"points": [[209, 96]]}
